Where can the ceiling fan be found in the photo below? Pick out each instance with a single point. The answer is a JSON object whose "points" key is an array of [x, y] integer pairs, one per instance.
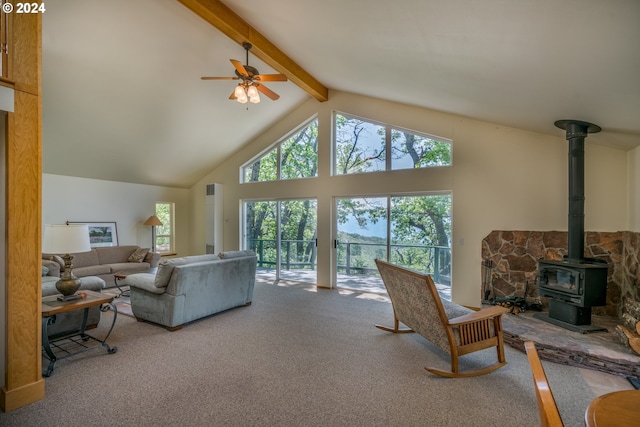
{"points": [[251, 81]]}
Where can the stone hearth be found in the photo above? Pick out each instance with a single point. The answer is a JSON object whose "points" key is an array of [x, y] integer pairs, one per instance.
{"points": [[601, 351]]}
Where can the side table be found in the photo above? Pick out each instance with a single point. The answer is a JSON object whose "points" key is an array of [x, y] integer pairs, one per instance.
{"points": [[616, 409], [56, 348]]}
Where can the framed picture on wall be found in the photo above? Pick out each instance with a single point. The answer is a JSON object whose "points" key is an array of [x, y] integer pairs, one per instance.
{"points": [[101, 233]]}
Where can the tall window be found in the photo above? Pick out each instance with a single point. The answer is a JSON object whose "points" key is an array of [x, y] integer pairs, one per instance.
{"points": [[165, 233], [362, 146], [295, 156]]}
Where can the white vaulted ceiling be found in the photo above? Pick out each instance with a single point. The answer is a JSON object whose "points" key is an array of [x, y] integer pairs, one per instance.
{"points": [[123, 99]]}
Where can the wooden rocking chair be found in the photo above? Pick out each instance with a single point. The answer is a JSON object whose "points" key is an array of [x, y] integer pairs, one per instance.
{"points": [[455, 329]]}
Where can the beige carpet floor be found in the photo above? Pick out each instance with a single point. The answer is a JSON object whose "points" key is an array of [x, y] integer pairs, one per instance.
{"points": [[296, 357]]}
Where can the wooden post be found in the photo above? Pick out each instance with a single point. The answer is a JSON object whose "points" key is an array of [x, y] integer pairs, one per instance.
{"points": [[24, 383]]}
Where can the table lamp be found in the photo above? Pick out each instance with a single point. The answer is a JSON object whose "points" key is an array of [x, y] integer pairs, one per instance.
{"points": [[66, 239], [153, 221]]}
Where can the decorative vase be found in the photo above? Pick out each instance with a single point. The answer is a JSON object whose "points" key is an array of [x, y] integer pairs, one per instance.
{"points": [[68, 283]]}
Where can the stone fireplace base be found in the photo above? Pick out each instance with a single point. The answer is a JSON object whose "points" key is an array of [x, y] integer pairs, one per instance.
{"points": [[510, 266], [600, 351], [510, 263]]}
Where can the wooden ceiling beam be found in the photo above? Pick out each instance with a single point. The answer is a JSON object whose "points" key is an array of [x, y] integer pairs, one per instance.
{"points": [[237, 29]]}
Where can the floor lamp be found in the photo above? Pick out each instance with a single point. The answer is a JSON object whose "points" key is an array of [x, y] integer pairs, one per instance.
{"points": [[153, 221]]}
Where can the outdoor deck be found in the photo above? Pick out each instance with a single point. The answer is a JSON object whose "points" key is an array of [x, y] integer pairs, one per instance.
{"points": [[363, 283]]}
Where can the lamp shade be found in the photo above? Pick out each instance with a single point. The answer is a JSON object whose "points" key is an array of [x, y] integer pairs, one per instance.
{"points": [[153, 220], [66, 239]]}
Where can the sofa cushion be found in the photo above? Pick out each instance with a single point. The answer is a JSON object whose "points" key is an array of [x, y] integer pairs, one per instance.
{"points": [[235, 254], [49, 279], [165, 267], [144, 281], [90, 283], [84, 259], [91, 270], [138, 255], [114, 254], [127, 267]]}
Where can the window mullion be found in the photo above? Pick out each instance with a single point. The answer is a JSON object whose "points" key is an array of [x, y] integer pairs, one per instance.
{"points": [[387, 147], [388, 228]]}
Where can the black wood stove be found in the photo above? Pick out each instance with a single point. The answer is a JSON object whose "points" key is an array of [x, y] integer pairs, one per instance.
{"points": [[576, 283]]}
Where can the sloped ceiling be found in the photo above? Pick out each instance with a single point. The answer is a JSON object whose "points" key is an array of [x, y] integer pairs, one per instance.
{"points": [[123, 99]]}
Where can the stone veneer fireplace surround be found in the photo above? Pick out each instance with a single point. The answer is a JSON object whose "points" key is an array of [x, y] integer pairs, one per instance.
{"points": [[515, 255]]}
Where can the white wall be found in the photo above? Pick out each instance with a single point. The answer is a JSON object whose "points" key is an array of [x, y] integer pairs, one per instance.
{"points": [[66, 198], [501, 178]]}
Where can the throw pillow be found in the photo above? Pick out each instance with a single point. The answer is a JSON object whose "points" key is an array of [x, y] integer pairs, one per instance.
{"points": [[45, 271], [138, 255], [56, 258], [165, 267]]}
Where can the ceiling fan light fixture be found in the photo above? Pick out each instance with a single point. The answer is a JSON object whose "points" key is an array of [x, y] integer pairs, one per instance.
{"points": [[254, 96], [251, 81], [240, 94]]}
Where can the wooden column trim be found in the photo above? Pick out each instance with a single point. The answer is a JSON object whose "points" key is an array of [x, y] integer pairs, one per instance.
{"points": [[24, 383]]}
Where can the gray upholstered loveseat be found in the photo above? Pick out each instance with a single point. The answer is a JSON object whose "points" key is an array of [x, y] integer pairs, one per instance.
{"points": [[103, 262], [189, 288]]}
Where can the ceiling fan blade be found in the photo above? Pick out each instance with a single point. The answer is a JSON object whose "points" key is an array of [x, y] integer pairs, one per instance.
{"points": [[220, 78], [239, 67], [270, 78], [271, 94]]}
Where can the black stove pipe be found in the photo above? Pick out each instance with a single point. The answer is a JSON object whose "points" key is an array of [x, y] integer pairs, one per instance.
{"points": [[576, 133]]}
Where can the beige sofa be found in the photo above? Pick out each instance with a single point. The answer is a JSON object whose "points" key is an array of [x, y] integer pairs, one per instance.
{"points": [[104, 262]]}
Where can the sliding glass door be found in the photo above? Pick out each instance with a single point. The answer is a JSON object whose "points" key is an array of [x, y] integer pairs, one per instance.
{"points": [[298, 225], [261, 234], [283, 235], [361, 237], [413, 231]]}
